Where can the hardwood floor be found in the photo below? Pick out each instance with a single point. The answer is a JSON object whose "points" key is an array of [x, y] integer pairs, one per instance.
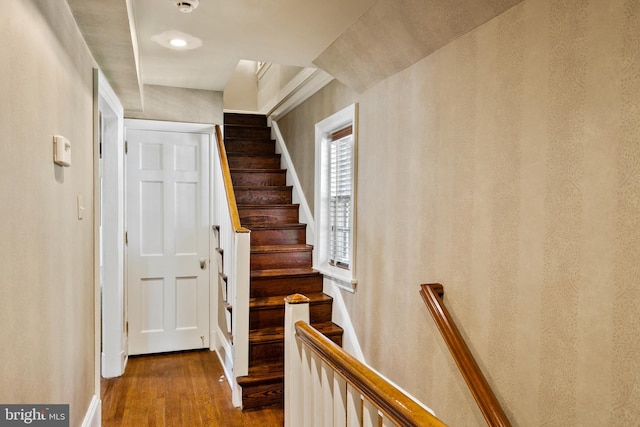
{"points": [[177, 390]]}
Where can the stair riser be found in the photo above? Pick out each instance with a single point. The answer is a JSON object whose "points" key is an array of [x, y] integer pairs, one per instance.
{"points": [[257, 396], [247, 132], [249, 147], [257, 215], [266, 353], [266, 287], [243, 162], [276, 260], [269, 352], [266, 196], [245, 119], [274, 316], [259, 178], [278, 237]]}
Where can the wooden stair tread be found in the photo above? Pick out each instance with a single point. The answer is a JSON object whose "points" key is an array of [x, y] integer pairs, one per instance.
{"points": [[234, 139], [280, 248], [262, 187], [276, 333], [285, 226], [245, 170], [244, 138], [279, 272], [245, 125], [264, 373], [277, 301], [270, 206], [238, 154]]}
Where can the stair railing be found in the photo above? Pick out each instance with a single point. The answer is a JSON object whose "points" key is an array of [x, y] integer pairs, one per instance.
{"points": [[326, 386], [233, 276], [480, 388]]}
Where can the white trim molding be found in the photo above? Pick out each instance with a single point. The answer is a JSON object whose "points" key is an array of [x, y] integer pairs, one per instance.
{"points": [[93, 416], [305, 84], [111, 239]]}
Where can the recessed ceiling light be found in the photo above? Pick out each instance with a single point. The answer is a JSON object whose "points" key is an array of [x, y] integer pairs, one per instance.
{"points": [[178, 42]]}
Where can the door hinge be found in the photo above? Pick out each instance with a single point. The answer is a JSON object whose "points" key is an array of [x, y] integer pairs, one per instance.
{"points": [[126, 327], [126, 237], [126, 147]]}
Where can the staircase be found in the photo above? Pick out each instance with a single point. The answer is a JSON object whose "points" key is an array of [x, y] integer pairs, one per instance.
{"points": [[280, 260]]}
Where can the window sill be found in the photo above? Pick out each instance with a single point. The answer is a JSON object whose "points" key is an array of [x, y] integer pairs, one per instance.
{"points": [[341, 277]]}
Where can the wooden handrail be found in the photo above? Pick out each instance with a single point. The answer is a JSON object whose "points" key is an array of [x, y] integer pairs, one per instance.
{"points": [[482, 393], [228, 185], [392, 402]]}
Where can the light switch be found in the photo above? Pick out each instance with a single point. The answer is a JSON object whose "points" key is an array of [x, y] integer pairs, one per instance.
{"points": [[61, 150]]}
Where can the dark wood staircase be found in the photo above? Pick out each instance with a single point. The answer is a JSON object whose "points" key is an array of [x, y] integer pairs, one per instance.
{"points": [[280, 261]]}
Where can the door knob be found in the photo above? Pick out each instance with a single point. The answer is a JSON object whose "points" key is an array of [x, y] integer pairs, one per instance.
{"points": [[203, 264]]}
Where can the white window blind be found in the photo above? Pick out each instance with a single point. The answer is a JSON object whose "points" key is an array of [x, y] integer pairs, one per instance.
{"points": [[340, 197]]}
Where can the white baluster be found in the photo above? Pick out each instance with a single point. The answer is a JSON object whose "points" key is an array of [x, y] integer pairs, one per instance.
{"points": [[316, 397], [354, 407], [369, 414], [339, 401], [326, 374]]}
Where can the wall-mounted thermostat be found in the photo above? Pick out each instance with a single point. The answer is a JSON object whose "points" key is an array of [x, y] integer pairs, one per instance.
{"points": [[61, 150]]}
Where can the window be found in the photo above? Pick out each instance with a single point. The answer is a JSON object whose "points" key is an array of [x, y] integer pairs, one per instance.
{"points": [[340, 147], [336, 138]]}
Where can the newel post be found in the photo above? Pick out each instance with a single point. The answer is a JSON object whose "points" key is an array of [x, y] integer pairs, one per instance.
{"points": [[296, 309]]}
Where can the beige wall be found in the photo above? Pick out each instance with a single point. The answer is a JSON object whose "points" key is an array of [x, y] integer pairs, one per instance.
{"points": [[507, 167], [241, 91], [179, 105], [46, 253]]}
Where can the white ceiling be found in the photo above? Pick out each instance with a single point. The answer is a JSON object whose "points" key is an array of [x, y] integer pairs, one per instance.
{"points": [[358, 42], [288, 32]]}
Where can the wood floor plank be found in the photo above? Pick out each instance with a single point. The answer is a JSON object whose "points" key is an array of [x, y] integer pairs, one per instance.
{"points": [[176, 390]]}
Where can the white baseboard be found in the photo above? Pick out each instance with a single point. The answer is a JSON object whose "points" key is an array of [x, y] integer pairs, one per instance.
{"points": [[113, 364], [93, 417]]}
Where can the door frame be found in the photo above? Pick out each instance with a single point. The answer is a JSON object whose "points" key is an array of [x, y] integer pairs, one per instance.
{"points": [[169, 126], [109, 214]]}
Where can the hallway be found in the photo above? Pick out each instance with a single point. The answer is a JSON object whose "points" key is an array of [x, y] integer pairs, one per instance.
{"points": [[176, 389]]}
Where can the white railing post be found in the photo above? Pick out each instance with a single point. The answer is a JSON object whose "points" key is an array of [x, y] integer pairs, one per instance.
{"points": [[240, 312], [296, 309]]}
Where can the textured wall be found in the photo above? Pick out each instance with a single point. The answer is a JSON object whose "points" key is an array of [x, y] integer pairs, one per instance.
{"points": [[105, 26], [394, 34], [507, 167], [46, 253], [179, 105]]}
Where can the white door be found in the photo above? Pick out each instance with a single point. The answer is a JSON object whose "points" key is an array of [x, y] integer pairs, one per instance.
{"points": [[168, 240]]}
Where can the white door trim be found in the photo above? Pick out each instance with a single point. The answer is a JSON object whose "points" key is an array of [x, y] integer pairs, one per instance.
{"points": [[113, 355]]}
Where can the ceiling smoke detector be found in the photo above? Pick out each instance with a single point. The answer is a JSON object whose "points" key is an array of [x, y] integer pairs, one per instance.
{"points": [[186, 6]]}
